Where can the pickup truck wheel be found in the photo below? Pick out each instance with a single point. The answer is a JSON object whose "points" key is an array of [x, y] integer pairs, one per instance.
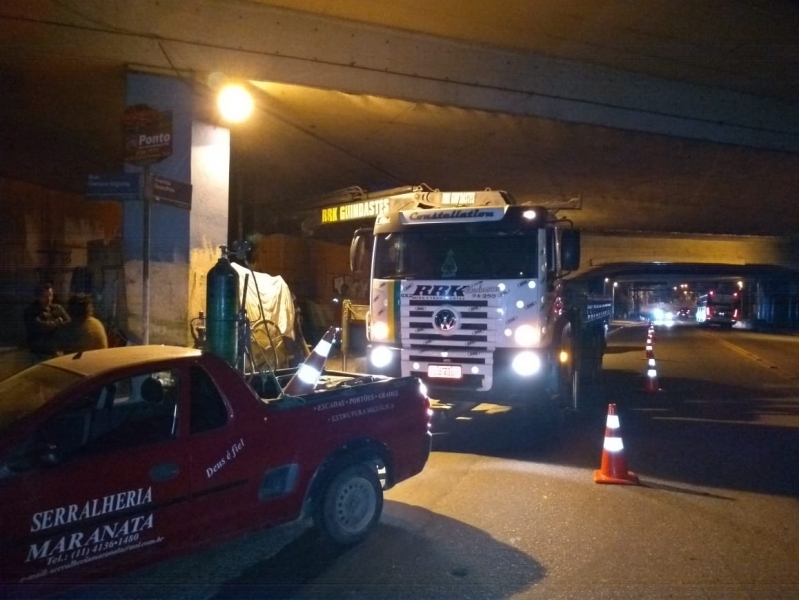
{"points": [[350, 505]]}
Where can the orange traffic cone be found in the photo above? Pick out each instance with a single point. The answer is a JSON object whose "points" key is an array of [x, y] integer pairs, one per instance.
{"points": [[614, 465], [304, 380]]}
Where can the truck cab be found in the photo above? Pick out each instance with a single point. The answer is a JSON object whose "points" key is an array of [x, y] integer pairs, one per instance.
{"points": [[467, 294]]}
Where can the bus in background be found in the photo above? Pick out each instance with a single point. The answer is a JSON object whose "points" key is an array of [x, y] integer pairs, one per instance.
{"points": [[718, 308]]}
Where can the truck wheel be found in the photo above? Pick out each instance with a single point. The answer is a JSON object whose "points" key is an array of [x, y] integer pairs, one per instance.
{"points": [[574, 391], [350, 505]]}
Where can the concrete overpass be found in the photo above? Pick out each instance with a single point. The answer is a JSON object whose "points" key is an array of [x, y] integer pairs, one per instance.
{"points": [[677, 126], [678, 119]]}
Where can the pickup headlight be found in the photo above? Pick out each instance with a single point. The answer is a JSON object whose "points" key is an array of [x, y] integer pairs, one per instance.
{"points": [[526, 363]]}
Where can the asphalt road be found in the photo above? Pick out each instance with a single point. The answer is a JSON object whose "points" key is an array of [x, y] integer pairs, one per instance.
{"points": [[500, 512]]}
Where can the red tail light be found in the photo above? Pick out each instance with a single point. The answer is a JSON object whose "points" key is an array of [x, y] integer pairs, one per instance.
{"points": [[557, 306], [709, 311]]}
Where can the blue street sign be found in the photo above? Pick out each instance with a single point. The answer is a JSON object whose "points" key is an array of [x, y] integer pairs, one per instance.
{"points": [[119, 186]]}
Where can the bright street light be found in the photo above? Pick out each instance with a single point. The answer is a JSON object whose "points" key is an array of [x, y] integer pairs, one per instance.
{"points": [[235, 103]]}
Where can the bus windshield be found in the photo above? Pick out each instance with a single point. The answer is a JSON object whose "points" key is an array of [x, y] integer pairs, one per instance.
{"points": [[435, 254]]}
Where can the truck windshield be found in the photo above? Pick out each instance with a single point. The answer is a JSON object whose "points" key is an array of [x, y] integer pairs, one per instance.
{"points": [[435, 254], [31, 389]]}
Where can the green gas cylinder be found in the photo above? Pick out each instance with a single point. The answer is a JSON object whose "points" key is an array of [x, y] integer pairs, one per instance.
{"points": [[222, 307]]}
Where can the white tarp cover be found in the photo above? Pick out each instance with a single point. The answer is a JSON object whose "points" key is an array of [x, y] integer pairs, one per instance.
{"points": [[269, 294]]}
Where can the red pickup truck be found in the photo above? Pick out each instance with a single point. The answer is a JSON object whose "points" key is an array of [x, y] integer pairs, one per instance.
{"points": [[114, 458]]}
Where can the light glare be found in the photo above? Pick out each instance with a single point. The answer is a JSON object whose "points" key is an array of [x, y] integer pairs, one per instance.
{"points": [[379, 331], [381, 356], [235, 103], [526, 335], [526, 363]]}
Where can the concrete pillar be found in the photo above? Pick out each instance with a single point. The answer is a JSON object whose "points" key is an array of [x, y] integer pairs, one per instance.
{"points": [[183, 241]]}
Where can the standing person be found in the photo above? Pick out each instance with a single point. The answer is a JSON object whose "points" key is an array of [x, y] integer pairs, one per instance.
{"points": [[84, 331], [43, 318]]}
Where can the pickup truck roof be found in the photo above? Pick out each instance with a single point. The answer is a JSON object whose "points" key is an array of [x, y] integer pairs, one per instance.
{"points": [[94, 362]]}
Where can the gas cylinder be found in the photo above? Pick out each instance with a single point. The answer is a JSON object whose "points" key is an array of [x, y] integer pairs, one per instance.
{"points": [[222, 307]]}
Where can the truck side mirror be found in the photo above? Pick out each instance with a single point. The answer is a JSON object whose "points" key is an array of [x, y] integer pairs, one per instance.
{"points": [[358, 251], [570, 250]]}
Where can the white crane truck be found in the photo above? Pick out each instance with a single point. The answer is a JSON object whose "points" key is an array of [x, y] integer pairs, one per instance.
{"points": [[468, 293]]}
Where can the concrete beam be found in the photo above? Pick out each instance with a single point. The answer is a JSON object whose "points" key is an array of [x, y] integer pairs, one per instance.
{"points": [[606, 249], [254, 41]]}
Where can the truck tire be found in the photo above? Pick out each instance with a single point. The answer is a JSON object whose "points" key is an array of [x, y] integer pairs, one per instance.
{"points": [[592, 392], [350, 505], [575, 393], [569, 384], [580, 386]]}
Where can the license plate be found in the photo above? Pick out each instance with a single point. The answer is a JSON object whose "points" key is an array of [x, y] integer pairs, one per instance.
{"points": [[444, 371]]}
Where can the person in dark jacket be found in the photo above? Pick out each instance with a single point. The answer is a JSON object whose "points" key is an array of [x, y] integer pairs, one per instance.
{"points": [[42, 319], [84, 331]]}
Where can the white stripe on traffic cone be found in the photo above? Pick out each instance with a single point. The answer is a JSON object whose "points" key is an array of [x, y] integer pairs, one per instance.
{"points": [[304, 380]]}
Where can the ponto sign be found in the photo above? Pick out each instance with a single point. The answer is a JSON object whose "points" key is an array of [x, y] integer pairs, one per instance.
{"points": [[148, 134], [153, 141]]}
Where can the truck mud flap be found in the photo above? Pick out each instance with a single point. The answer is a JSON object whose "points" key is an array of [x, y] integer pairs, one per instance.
{"points": [[587, 393]]}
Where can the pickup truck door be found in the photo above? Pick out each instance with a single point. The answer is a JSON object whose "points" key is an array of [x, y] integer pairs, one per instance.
{"points": [[222, 457], [96, 484]]}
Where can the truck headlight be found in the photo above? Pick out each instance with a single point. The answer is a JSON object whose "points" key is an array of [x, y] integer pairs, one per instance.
{"points": [[379, 331], [527, 335], [381, 356], [526, 364]]}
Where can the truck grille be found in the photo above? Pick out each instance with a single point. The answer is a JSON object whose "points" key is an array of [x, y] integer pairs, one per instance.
{"points": [[470, 342]]}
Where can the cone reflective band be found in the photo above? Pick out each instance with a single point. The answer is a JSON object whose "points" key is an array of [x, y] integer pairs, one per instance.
{"points": [[304, 380], [652, 379], [614, 465], [612, 442]]}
